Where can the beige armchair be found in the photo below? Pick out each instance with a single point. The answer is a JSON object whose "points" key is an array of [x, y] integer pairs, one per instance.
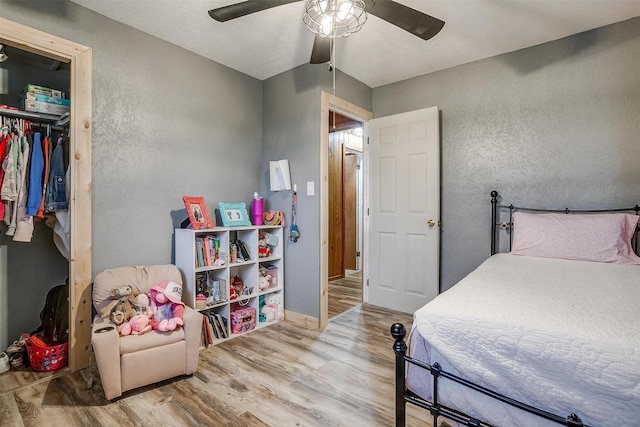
{"points": [[132, 361]]}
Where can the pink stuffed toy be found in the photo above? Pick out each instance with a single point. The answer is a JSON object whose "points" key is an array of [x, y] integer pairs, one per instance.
{"points": [[167, 308], [137, 325]]}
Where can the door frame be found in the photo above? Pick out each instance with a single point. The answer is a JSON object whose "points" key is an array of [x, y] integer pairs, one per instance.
{"points": [[329, 102], [80, 59]]}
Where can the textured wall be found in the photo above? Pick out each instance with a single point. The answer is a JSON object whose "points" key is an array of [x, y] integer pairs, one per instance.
{"points": [[291, 122], [291, 130], [166, 122], [553, 125]]}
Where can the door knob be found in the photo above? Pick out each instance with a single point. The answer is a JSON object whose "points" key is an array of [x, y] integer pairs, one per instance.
{"points": [[431, 223]]}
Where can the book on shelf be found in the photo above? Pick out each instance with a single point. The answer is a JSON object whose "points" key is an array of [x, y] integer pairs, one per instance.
{"points": [[206, 251], [217, 329], [206, 338], [222, 321], [199, 254]]}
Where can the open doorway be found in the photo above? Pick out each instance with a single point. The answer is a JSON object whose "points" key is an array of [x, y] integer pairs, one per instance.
{"points": [[329, 104], [345, 151]]}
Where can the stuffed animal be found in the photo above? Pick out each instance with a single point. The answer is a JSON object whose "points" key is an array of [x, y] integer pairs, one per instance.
{"points": [[167, 308], [264, 282], [272, 307], [139, 324], [126, 301], [263, 248]]}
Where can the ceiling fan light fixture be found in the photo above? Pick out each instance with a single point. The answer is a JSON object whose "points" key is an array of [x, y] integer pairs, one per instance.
{"points": [[334, 18]]}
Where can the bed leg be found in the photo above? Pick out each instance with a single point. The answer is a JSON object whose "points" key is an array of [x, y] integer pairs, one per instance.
{"points": [[398, 332]]}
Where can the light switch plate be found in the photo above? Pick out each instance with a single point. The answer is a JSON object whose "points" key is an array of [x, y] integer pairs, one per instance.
{"points": [[311, 188]]}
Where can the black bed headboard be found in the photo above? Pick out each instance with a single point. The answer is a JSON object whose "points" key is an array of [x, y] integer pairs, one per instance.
{"points": [[495, 226]]}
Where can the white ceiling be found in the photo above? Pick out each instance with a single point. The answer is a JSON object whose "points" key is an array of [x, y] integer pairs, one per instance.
{"points": [[269, 42]]}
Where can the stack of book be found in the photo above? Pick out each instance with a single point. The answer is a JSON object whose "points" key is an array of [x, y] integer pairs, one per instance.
{"points": [[208, 251], [214, 327]]}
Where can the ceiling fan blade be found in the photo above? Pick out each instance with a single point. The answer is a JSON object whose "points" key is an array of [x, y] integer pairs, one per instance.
{"points": [[411, 20], [232, 11], [321, 52]]}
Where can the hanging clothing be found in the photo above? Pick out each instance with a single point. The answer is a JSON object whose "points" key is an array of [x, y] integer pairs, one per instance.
{"points": [[35, 176], [55, 196], [5, 137], [20, 232], [46, 148], [33, 181], [61, 223], [9, 190], [21, 170]]}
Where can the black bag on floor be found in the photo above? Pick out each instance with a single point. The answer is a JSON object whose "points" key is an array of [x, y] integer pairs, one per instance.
{"points": [[55, 315]]}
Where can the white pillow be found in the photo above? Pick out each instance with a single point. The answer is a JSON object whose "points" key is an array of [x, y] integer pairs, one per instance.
{"points": [[588, 237]]}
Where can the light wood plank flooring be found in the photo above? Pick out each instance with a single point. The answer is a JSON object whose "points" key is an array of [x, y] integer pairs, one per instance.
{"points": [[277, 376], [345, 293]]}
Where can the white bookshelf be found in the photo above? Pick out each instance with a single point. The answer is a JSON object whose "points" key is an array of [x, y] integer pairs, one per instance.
{"points": [[195, 268]]}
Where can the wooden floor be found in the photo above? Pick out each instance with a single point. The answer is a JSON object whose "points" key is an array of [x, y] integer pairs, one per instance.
{"points": [[345, 293], [277, 376]]}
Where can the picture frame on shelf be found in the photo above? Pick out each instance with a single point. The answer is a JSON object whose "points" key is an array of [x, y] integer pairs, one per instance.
{"points": [[234, 214], [197, 211]]}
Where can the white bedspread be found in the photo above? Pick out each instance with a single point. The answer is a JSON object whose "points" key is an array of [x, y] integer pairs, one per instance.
{"points": [[560, 335]]}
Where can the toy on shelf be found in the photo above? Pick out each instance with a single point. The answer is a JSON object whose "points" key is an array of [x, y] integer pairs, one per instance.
{"points": [[272, 308]]}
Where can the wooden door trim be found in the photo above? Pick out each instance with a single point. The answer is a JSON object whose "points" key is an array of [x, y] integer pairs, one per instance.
{"points": [[80, 59], [329, 102]]}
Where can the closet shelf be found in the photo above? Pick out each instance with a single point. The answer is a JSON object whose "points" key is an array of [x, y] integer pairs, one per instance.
{"points": [[38, 117]]}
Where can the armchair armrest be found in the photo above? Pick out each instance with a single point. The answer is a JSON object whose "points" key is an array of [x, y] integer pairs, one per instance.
{"points": [[106, 347], [192, 330]]}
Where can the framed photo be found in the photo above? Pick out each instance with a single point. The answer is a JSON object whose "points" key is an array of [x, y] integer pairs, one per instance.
{"points": [[234, 214], [197, 211]]}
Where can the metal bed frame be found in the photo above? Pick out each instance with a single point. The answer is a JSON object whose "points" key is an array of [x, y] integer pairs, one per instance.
{"points": [[398, 332]]}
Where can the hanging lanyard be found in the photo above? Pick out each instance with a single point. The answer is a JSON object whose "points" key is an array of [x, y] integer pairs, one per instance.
{"points": [[294, 232], [294, 202]]}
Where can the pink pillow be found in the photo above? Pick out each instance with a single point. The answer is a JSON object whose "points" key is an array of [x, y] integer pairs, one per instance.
{"points": [[592, 237]]}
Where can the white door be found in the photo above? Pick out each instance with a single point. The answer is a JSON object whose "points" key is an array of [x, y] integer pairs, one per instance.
{"points": [[403, 235]]}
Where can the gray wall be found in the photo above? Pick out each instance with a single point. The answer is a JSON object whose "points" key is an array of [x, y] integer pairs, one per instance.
{"points": [[555, 125], [291, 130], [166, 123]]}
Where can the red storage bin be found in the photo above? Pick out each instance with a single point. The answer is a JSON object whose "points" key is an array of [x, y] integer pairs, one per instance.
{"points": [[45, 359]]}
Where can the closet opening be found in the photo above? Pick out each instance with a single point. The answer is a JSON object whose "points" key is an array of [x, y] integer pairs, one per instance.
{"points": [[34, 241], [28, 272]]}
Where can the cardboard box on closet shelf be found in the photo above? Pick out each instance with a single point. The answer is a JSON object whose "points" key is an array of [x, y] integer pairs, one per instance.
{"points": [[44, 107], [41, 90], [48, 99]]}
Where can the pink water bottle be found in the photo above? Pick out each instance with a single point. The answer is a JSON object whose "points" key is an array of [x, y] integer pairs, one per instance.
{"points": [[257, 208]]}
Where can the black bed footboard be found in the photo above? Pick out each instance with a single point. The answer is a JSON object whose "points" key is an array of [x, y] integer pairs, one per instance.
{"points": [[403, 395]]}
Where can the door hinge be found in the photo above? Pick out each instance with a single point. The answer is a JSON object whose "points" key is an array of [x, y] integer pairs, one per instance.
{"points": [[367, 140], [357, 253], [367, 283], [367, 211]]}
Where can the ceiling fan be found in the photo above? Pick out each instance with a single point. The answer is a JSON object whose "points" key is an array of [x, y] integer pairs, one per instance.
{"points": [[411, 20]]}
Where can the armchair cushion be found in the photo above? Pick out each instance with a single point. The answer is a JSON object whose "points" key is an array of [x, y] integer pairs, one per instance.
{"points": [[133, 343]]}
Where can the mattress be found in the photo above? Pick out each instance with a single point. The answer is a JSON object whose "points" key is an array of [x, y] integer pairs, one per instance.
{"points": [[563, 336]]}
